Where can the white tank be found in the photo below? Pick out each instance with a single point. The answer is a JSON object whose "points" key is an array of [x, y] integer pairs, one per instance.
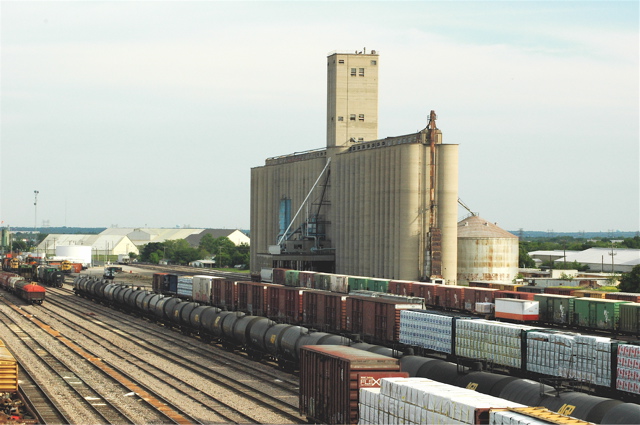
{"points": [[485, 252], [79, 253]]}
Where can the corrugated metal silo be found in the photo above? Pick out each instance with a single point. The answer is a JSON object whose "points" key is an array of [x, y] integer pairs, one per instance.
{"points": [[485, 252]]}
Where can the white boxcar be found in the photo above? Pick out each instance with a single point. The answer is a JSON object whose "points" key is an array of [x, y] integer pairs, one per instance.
{"points": [[202, 289], [518, 310]]}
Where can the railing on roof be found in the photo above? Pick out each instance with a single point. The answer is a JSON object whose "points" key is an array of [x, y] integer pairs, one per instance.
{"points": [[354, 52], [297, 156]]}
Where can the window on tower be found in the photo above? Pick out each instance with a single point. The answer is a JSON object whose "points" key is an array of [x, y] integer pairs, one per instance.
{"points": [[352, 117], [340, 118], [361, 72], [353, 72], [361, 117]]}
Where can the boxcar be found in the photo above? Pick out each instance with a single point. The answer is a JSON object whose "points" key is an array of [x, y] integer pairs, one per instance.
{"points": [[401, 287], [376, 320], [306, 279], [531, 288], [515, 294], [323, 310], [202, 289], [475, 295], [330, 379], [224, 294], [587, 293], [292, 278], [251, 297], [284, 303], [630, 318], [596, 313], [322, 281], [450, 296], [426, 291], [624, 296], [517, 310], [555, 308], [279, 276]]}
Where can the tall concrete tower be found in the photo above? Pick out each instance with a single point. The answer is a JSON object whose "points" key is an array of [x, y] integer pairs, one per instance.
{"points": [[352, 97]]}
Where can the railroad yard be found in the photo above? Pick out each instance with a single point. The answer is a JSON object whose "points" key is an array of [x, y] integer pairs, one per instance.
{"points": [[98, 365]]}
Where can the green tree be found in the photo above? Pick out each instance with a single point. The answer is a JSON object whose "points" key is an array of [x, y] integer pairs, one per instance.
{"points": [[630, 282], [524, 260]]}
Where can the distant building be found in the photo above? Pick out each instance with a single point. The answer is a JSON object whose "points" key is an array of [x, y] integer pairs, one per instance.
{"points": [[236, 236], [602, 260], [100, 244]]}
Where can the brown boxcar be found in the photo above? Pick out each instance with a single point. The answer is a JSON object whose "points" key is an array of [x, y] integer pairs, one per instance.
{"points": [[325, 311], [556, 290], [224, 294], [450, 296], [630, 318], [624, 296], [426, 291], [401, 287], [588, 293], [515, 294], [473, 295], [330, 380], [376, 320], [252, 298], [284, 303], [157, 282], [279, 276], [306, 279]]}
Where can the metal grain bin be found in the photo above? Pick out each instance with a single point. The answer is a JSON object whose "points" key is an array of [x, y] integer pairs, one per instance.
{"points": [[597, 313], [329, 381], [555, 308], [630, 318]]}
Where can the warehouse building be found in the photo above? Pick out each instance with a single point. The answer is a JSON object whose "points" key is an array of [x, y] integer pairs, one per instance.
{"points": [[362, 205]]}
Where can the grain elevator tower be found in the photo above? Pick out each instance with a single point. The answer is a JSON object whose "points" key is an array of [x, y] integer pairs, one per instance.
{"points": [[361, 206]]}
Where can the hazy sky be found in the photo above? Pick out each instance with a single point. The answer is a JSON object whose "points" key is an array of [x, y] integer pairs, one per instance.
{"points": [[153, 113]]}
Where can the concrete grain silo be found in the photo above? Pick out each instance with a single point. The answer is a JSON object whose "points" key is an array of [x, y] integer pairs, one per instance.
{"points": [[485, 252]]}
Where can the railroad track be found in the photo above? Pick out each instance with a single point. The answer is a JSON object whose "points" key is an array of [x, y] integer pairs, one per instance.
{"points": [[234, 377], [186, 270], [79, 392], [45, 409]]}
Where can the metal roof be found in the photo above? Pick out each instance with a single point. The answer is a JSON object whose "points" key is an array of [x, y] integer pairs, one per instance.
{"points": [[477, 227]]}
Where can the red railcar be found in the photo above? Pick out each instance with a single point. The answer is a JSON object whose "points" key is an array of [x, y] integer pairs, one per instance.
{"points": [[325, 311], [224, 294], [157, 282], [306, 279], [401, 287], [474, 295], [518, 295], [279, 276], [426, 291], [251, 298], [561, 291], [376, 320], [284, 303], [624, 296], [450, 296]]}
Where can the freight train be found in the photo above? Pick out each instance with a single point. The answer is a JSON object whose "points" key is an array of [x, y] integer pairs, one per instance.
{"points": [[574, 307], [396, 325], [30, 292]]}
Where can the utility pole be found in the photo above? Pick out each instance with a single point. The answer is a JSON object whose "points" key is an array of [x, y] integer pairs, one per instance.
{"points": [[35, 219]]}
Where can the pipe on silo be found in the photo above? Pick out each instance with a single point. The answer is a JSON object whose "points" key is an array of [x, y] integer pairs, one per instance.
{"points": [[447, 208]]}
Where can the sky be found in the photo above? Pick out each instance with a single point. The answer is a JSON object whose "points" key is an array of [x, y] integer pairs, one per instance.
{"points": [[152, 114]]}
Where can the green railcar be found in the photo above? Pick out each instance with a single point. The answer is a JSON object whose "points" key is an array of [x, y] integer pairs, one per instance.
{"points": [[322, 281], [358, 283], [291, 278], [554, 308], [630, 318], [597, 313], [379, 285]]}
